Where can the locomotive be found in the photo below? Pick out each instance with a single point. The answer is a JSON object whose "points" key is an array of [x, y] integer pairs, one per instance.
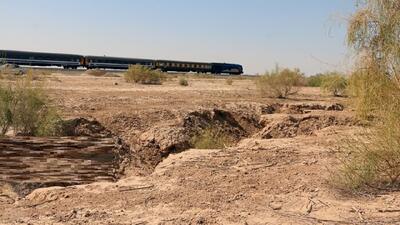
{"points": [[71, 61]]}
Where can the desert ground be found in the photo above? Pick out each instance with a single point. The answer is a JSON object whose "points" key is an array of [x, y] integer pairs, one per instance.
{"points": [[277, 172]]}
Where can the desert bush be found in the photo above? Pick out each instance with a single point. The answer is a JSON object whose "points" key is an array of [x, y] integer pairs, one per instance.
{"points": [[25, 108], [334, 83], [143, 75], [280, 83], [373, 159], [211, 138], [229, 81], [315, 80], [183, 82]]}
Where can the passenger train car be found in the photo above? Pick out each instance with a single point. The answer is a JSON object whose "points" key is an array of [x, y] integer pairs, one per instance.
{"points": [[70, 61], [103, 62], [41, 59]]}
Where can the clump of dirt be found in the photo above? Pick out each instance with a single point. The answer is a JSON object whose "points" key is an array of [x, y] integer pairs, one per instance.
{"points": [[307, 107], [84, 127], [290, 126]]}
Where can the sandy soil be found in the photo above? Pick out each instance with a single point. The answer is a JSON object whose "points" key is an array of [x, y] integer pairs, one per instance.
{"points": [[277, 173]]}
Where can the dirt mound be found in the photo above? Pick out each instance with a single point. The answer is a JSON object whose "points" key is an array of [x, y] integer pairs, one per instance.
{"points": [[100, 73], [84, 127], [290, 126]]}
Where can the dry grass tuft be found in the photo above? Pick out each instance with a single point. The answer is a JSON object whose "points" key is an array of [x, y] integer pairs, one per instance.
{"points": [[183, 81], [229, 81], [211, 138]]}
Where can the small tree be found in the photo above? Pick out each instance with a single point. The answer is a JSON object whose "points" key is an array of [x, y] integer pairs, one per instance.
{"points": [[280, 83], [373, 160], [334, 83]]}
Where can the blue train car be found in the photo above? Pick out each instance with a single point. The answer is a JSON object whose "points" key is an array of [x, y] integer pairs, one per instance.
{"points": [[41, 59], [226, 68], [104, 62]]}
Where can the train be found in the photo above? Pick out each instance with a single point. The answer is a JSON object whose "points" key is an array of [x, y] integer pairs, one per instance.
{"points": [[72, 61]]}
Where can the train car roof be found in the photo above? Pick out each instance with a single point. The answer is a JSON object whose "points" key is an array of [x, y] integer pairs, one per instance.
{"points": [[177, 61], [116, 58], [44, 53], [189, 62]]}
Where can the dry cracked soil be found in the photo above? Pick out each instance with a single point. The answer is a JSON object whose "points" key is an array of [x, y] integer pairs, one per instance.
{"points": [[127, 158]]}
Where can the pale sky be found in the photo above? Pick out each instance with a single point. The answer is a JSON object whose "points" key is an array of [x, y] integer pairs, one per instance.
{"points": [[307, 34]]}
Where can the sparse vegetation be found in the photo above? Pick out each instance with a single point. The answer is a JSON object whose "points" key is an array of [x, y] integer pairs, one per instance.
{"points": [[373, 160], [143, 75], [229, 81], [280, 83], [183, 81], [211, 138], [334, 83], [25, 108]]}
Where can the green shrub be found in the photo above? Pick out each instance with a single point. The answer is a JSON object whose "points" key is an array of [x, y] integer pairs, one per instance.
{"points": [[315, 80], [183, 82], [229, 81], [143, 75], [334, 83], [25, 108], [211, 138], [280, 83]]}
